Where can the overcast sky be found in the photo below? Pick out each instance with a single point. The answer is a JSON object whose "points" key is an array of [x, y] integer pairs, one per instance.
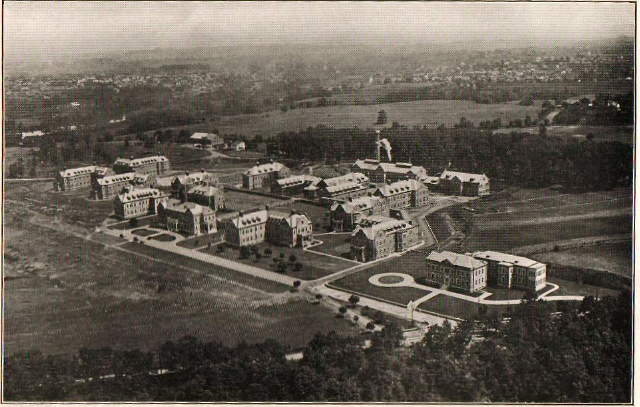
{"points": [[54, 30]]}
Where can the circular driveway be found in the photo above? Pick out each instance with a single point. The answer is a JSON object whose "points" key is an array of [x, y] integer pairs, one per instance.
{"points": [[404, 280]]}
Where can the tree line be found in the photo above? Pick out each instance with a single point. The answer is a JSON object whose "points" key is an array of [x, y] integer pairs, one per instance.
{"points": [[536, 352]]}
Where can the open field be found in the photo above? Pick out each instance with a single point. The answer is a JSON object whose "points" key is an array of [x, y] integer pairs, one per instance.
{"points": [[615, 257], [429, 113], [623, 134], [314, 265], [335, 244], [64, 292], [573, 288], [240, 201], [455, 307]]}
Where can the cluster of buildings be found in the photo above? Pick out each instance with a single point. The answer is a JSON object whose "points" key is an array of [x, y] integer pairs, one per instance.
{"points": [[472, 272], [213, 140]]}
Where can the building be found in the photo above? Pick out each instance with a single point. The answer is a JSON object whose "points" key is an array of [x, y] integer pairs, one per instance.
{"points": [[31, 134], [462, 183], [186, 217], [351, 185], [211, 139], [238, 146], [403, 194], [182, 184], [460, 271], [264, 175], [247, 229], [293, 185], [293, 230], [345, 216], [77, 178], [376, 240], [509, 271], [138, 202], [111, 186], [207, 195], [156, 165], [386, 172]]}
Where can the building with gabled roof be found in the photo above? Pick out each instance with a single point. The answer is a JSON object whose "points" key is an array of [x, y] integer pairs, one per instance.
{"points": [[345, 216], [351, 185], [403, 194], [460, 271], [138, 202], [211, 139], [112, 185], [157, 165], [263, 175], [78, 178], [381, 239], [509, 271], [388, 172], [293, 185], [207, 195], [292, 230], [181, 184], [186, 217], [247, 228], [464, 184]]}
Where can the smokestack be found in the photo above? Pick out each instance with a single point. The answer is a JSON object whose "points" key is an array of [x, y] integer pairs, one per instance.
{"points": [[378, 145]]}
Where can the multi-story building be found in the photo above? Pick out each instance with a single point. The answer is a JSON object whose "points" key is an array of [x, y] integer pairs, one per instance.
{"points": [[138, 202], [403, 194], [263, 175], [181, 184], [377, 240], [247, 228], [293, 185], [110, 186], [157, 165], [387, 172], [345, 216], [462, 183], [293, 230], [459, 271], [351, 185], [207, 195], [77, 178], [509, 271], [186, 217]]}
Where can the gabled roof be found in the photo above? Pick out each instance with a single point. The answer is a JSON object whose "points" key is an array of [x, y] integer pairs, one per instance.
{"points": [[356, 177], [346, 186], [265, 169], [456, 259], [113, 179], [138, 194], [136, 162], [204, 190], [250, 219], [508, 258], [399, 187], [464, 177], [398, 167], [176, 206], [196, 177], [356, 205], [72, 172], [293, 220], [296, 180], [389, 226]]}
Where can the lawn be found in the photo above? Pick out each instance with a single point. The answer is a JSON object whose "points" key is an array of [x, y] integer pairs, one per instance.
{"points": [[199, 241], [455, 307], [439, 226], [573, 288], [507, 293], [146, 221], [319, 215], [144, 232], [314, 265], [163, 238], [178, 260], [616, 257], [242, 201], [335, 244]]}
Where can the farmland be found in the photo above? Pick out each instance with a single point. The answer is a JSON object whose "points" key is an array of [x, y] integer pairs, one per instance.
{"points": [[623, 134], [614, 257]]}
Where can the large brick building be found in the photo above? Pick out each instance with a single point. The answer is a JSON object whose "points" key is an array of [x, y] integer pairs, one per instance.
{"points": [[207, 195], [403, 194], [138, 202], [186, 217], [293, 230], [264, 175], [377, 240], [110, 186], [157, 165], [78, 178], [293, 185], [351, 185], [344, 216], [247, 228], [509, 271], [387, 172], [460, 271], [182, 184], [464, 184]]}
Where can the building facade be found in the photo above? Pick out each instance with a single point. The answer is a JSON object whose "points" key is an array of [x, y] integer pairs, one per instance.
{"points": [[182, 184], [138, 202], [207, 195], [509, 271], [387, 172], [111, 186], [156, 165], [403, 194], [345, 216], [78, 178], [294, 185], [375, 241], [264, 175], [460, 271], [186, 217], [464, 184], [351, 185], [247, 228], [293, 230]]}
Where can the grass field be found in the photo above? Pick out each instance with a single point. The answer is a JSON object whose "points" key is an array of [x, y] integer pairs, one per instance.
{"points": [[429, 113], [616, 257], [455, 307], [573, 288], [623, 134], [240, 201], [335, 245]]}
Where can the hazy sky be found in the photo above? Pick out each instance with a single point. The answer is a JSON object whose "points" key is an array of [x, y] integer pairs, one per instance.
{"points": [[54, 30]]}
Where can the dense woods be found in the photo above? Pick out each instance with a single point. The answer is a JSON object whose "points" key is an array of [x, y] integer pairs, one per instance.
{"points": [[517, 158], [537, 352]]}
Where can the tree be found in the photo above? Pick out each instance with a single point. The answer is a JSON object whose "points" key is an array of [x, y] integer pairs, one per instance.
{"points": [[244, 252], [133, 222], [292, 258], [354, 299], [297, 283], [382, 117], [297, 266], [221, 248], [268, 252], [319, 296], [282, 267], [342, 310], [371, 326], [257, 255]]}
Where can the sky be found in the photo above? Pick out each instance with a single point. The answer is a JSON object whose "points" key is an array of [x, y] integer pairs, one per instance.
{"points": [[41, 31]]}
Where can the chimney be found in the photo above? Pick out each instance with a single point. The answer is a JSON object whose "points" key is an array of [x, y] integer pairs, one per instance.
{"points": [[187, 172], [293, 212], [201, 169], [132, 157]]}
